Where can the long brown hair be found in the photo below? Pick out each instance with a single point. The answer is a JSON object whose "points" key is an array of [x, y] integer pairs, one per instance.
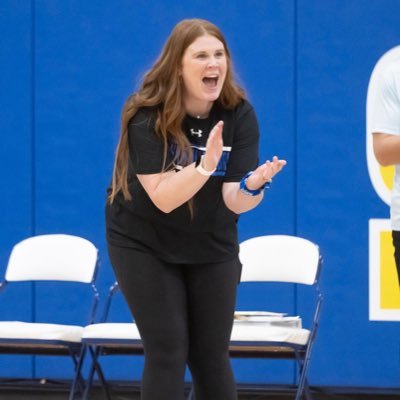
{"points": [[162, 88]]}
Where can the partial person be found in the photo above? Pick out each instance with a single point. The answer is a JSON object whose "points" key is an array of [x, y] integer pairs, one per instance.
{"points": [[186, 167], [385, 125]]}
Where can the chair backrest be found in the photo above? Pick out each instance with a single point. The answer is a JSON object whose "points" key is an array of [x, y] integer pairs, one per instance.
{"points": [[55, 257], [279, 258]]}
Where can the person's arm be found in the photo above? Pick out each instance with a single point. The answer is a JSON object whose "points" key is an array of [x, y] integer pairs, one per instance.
{"points": [[240, 202], [385, 116], [169, 190], [243, 159], [386, 148]]}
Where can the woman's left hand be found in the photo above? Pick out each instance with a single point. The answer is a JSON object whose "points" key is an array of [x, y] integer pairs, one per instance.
{"points": [[264, 173]]}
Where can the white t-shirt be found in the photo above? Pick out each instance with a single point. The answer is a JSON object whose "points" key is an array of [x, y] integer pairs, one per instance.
{"points": [[385, 118]]}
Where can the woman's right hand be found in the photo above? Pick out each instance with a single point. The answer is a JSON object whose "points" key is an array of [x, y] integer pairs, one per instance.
{"points": [[213, 147]]}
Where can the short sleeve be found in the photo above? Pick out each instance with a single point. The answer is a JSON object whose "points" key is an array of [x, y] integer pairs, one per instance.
{"points": [[244, 153], [385, 110], [146, 148]]}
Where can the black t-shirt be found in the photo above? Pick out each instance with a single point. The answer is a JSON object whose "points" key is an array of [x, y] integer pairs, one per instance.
{"points": [[210, 234]]}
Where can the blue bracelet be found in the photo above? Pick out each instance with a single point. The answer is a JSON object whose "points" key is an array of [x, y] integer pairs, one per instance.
{"points": [[244, 189]]}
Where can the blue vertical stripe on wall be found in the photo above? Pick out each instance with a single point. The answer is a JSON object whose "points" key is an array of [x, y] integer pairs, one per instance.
{"points": [[265, 62], [15, 160], [339, 44]]}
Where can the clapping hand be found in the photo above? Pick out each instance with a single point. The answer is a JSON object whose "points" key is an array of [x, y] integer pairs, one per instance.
{"points": [[213, 147], [265, 172]]}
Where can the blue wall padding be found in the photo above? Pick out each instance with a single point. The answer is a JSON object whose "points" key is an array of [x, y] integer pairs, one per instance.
{"points": [[338, 46], [16, 158], [67, 67]]}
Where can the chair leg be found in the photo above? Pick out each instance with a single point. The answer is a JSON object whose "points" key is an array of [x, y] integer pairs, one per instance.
{"points": [[307, 391], [78, 379], [304, 391], [96, 368], [303, 365], [191, 394], [304, 362], [89, 379], [88, 382]]}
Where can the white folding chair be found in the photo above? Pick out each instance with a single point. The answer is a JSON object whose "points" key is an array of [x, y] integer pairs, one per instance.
{"points": [[106, 339], [55, 258], [279, 258]]}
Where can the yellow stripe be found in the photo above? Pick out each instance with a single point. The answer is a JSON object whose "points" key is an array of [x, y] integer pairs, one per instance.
{"points": [[389, 286]]}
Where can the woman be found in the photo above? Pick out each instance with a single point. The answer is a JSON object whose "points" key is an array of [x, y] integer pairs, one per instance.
{"points": [[182, 175]]}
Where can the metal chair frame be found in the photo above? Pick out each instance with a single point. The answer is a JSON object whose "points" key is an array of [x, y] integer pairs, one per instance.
{"points": [[264, 259], [37, 268], [98, 347], [283, 349]]}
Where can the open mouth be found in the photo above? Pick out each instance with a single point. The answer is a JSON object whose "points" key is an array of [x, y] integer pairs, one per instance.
{"points": [[210, 81]]}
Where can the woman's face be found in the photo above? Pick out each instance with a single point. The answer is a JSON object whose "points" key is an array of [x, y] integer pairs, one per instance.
{"points": [[203, 72]]}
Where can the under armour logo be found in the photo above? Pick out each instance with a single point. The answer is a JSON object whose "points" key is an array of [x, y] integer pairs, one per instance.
{"points": [[197, 133]]}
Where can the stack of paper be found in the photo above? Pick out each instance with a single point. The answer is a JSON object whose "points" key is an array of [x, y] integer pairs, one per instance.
{"points": [[267, 318]]}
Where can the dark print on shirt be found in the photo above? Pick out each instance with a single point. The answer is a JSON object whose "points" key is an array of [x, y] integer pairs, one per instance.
{"points": [[197, 152]]}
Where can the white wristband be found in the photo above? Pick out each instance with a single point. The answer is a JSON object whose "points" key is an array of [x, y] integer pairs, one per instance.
{"points": [[203, 171]]}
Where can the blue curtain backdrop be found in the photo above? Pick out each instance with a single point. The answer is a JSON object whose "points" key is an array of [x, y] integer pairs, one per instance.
{"points": [[67, 67]]}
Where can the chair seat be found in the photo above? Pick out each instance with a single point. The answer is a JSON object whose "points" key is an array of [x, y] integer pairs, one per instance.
{"points": [[264, 332], [111, 331], [10, 330]]}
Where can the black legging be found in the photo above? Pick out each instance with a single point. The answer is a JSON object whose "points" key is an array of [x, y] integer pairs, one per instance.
{"points": [[396, 244], [184, 315]]}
